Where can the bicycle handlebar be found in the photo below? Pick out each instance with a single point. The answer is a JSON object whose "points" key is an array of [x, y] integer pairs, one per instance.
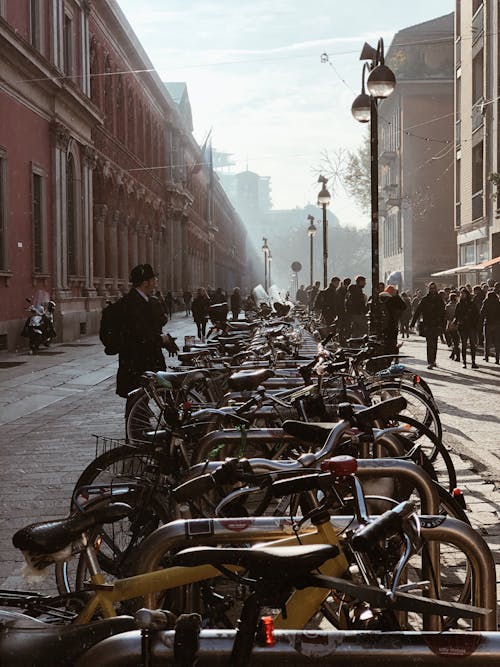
{"points": [[384, 526]]}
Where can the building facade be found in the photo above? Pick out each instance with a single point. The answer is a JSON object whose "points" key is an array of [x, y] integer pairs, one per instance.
{"points": [[99, 170], [416, 156], [477, 140]]}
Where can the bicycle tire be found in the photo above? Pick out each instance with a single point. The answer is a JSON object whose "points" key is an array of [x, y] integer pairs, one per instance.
{"points": [[420, 400], [438, 449], [120, 471]]}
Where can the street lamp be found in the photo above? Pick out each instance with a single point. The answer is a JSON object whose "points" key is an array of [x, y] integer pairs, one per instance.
{"points": [[380, 83], [265, 250], [324, 201], [311, 230], [269, 260]]}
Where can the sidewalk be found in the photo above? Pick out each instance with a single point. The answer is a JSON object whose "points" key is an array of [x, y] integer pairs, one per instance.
{"points": [[51, 404]]}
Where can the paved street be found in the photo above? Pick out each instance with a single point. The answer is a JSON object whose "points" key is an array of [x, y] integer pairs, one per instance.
{"points": [[51, 404]]}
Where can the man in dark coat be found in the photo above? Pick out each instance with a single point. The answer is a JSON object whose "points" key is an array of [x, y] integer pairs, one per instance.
{"points": [[329, 302], [142, 349], [432, 310]]}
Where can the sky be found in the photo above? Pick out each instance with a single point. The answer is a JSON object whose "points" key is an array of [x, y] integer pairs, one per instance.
{"points": [[255, 78]]}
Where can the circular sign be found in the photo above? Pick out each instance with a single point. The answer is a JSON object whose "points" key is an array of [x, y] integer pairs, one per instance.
{"points": [[296, 267]]}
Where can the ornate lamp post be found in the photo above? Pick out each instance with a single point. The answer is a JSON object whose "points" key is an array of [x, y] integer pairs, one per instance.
{"points": [[381, 83], [269, 260], [311, 230], [324, 200], [265, 250]]}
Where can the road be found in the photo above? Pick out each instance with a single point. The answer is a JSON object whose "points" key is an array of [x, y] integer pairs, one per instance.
{"points": [[51, 404]]}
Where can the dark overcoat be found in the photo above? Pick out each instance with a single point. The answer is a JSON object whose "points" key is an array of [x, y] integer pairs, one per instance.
{"points": [[142, 347]]}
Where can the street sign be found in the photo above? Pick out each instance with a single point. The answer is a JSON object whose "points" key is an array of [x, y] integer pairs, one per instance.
{"points": [[296, 267]]}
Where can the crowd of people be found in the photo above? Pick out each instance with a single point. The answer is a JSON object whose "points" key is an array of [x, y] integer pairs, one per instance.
{"points": [[463, 318]]}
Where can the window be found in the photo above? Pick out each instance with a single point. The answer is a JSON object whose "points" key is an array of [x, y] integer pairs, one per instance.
{"points": [[457, 192], [477, 167], [68, 45], [38, 220], [36, 23], [70, 217], [467, 253], [3, 211], [477, 77]]}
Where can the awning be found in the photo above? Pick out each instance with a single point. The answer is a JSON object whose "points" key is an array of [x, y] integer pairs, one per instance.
{"points": [[486, 264], [454, 271]]}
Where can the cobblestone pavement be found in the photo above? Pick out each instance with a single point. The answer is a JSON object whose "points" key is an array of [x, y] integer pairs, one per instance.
{"points": [[51, 404]]}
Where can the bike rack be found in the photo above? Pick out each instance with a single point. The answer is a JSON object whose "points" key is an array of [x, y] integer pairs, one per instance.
{"points": [[301, 648]]}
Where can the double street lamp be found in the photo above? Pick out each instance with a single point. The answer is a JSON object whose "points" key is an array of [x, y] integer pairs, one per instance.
{"points": [[380, 83], [311, 230], [324, 201]]}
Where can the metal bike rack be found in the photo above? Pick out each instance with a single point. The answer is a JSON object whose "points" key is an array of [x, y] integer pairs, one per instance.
{"points": [[301, 648]]}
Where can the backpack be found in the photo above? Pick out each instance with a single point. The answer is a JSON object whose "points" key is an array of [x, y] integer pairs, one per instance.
{"points": [[111, 331]]}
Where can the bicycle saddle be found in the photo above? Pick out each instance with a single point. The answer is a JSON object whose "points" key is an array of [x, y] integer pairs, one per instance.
{"points": [[29, 642], [39, 541], [176, 380], [249, 380], [313, 432], [268, 563]]}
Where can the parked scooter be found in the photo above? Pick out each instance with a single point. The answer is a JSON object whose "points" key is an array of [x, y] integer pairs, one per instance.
{"points": [[39, 326]]}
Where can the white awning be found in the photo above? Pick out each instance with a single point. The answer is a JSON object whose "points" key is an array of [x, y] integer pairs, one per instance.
{"points": [[453, 272]]}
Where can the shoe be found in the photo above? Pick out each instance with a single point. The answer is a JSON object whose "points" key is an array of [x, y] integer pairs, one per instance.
{"points": [[465, 365], [430, 367], [452, 355], [474, 365], [485, 359]]}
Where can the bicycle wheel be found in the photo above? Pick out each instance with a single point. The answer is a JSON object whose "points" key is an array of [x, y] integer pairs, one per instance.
{"points": [[419, 407], [146, 416], [130, 475], [436, 454]]}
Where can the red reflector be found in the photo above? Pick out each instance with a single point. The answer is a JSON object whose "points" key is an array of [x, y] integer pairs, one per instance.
{"points": [[267, 625], [186, 405], [417, 379], [340, 465]]}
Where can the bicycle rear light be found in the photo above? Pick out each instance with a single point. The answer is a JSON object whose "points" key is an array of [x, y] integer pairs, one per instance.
{"points": [[265, 634], [340, 465]]}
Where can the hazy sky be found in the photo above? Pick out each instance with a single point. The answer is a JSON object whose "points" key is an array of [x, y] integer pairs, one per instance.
{"points": [[254, 75]]}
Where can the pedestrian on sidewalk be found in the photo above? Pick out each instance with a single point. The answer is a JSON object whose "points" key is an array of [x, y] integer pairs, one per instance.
{"points": [[466, 319], [356, 309], [490, 319], [200, 308], [169, 304], [431, 309], [143, 339], [451, 328], [235, 303], [391, 305], [187, 298], [404, 320]]}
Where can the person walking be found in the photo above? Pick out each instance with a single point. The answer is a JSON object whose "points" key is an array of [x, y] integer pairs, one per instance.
{"points": [[405, 317], [342, 320], [329, 301], [453, 338], [478, 297], [490, 319], [466, 319], [169, 304], [431, 309], [391, 305], [355, 306], [200, 307], [187, 298], [235, 300], [142, 334]]}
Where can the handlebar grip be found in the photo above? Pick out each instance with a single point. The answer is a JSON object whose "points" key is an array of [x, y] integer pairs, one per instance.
{"points": [[306, 482], [385, 525], [193, 488]]}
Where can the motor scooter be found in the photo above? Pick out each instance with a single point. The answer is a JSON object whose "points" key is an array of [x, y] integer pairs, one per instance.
{"points": [[32, 329]]}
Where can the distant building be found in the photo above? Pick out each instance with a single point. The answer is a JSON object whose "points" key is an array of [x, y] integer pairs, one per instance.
{"points": [[416, 156], [477, 140], [250, 194], [99, 170]]}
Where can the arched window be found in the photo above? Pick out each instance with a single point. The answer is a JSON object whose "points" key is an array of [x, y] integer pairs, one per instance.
{"points": [[120, 111], [140, 131], [71, 238], [94, 69], [131, 120]]}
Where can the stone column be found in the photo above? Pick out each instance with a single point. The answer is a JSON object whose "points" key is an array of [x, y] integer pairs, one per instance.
{"points": [[141, 235], [150, 255], [89, 164], [123, 267], [133, 245], [100, 212], [61, 138], [185, 259]]}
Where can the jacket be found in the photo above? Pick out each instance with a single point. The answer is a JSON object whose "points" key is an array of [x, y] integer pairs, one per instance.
{"points": [[490, 311], [143, 348], [466, 316], [432, 310], [200, 307], [355, 303]]}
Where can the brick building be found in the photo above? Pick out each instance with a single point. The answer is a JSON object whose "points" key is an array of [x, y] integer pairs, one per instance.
{"points": [[99, 170], [416, 156]]}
